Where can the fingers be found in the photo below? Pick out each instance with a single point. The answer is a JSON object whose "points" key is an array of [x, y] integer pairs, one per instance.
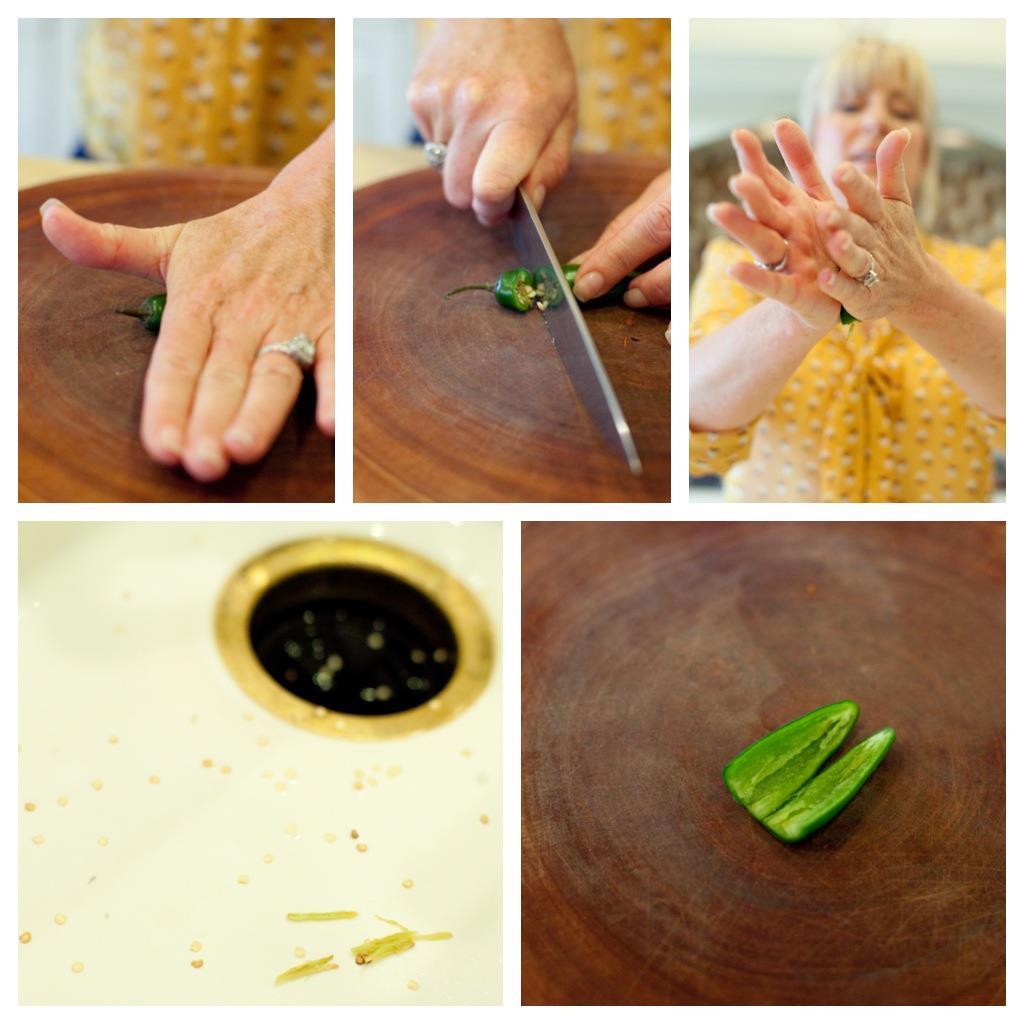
{"points": [[218, 395], [511, 151], [324, 373], [623, 217], [139, 251], [274, 383], [186, 332], [464, 150], [765, 282], [892, 179], [753, 160], [764, 242], [654, 288], [796, 151], [861, 195], [833, 218], [759, 203], [647, 234], [552, 164], [842, 288], [848, 255]]}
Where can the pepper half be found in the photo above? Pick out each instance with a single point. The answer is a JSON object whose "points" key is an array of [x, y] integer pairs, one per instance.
{"points": [[769, 772], [513, 289], [150, 312], [830, 791]]}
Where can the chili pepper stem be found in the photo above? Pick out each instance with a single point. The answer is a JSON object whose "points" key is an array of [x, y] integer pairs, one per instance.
{"points": [[489, 287]]}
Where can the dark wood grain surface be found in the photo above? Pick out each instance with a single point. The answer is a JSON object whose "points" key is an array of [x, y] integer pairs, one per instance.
{"points": [[653, 653], [465, 401], [81, 365]]}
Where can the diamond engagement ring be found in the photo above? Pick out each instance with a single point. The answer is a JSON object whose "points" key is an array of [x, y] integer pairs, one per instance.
{"points": [[301, 348], [435, 152], [775, 268], [870, 276]]}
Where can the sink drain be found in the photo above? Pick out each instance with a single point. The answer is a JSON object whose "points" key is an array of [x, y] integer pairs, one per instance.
{"points": [[353, 638]]}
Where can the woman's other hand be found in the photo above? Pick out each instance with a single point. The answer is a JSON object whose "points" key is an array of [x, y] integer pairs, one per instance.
{"points": [[877, 232], [778, 220], [501, 93], [642, 230], [258, 273]]}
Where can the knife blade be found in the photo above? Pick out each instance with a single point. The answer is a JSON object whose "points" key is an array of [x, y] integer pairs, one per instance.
{"points": [[569, 332]]}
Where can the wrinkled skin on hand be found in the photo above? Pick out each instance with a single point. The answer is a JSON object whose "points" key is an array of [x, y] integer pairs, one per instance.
{"points": [[260, 272]]}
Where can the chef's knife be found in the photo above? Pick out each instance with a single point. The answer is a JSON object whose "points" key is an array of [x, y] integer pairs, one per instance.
{"points": [[569, 331]]}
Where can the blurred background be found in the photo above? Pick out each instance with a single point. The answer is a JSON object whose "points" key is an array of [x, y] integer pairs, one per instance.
{"points": [[749, 73]]}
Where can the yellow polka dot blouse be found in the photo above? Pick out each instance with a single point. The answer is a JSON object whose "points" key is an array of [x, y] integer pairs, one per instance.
{"points": [[868, 416], [187, 91]]}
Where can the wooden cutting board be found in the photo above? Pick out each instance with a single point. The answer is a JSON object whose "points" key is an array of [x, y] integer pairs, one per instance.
{"points": [[652, 654], [81, 366], [465, 401]]}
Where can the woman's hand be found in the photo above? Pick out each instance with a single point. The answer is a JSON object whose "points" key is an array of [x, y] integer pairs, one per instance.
{"points": [[502, 94], [877, 232], [779, 220], [642, 230], [258, 273]]}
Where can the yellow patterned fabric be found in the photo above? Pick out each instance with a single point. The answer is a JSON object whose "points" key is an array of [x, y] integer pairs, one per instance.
{"points": [[868, 416], [624, 68], [188, 91]]}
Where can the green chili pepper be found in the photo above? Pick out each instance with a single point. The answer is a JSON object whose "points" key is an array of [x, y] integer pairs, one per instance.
{"points": [[775, 778], [513, 289], [830, 791], [150, 312], [846, 317], [519, 289], [769, 772]]}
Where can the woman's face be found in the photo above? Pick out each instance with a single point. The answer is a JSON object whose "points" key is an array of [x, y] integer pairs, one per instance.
{"points": [[859, 121]]}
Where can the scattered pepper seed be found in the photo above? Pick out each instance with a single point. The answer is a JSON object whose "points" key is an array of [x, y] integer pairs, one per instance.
{"points": [[25, 938], [207, 762], [112, 740], [78, 967], [197, 963], [484, 819], [39, 840], [357, 784], [30, 807], [154, 780], [59, 919], [247, 716], [299, 952], [62, 801], [811, 589], [268, 858], [361, 847], [360, 773], [263, 741], [103, 841], [414, 985], [292, 830], [196, 946], [466, 752], [354, 834], [330, 837], [407, 884], [225, 769], [97, 784], [280, 787], [289, 773], [243, 879], [394, 771]]}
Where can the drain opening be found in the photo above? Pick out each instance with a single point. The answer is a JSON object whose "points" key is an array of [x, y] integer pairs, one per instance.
{"points": [[353, 640]]}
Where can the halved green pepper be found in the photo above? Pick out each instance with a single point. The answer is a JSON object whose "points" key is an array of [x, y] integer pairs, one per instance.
{"points": [[830, 791], [150, 312], [513, 289], [769, 772]]}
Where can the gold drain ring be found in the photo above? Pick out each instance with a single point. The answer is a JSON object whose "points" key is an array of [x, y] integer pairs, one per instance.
{"points": [[468, 621]]}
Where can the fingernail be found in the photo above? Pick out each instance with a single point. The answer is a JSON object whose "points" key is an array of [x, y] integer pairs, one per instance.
{"points": [[208, 452], [49, 204], [539, 195], [588, 286], [635, 298], [239, 436], [845, 175], [170, 440], [668, 334]]}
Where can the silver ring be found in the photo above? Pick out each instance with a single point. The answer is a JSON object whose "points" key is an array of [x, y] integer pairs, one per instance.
{"points": [[435, 152], [301, 348], [775, 268], [870, 276]]}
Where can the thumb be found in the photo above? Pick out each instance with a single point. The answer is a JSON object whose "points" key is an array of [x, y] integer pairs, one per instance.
{"points": [[892, 179], [139, 251]]}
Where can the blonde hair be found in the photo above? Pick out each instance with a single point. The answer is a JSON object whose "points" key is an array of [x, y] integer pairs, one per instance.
{"points": [[857, 65]]}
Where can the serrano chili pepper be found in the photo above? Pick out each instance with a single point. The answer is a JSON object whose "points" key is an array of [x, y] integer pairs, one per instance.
{"points": [[150, 312], [520, 289], [778, 781]]}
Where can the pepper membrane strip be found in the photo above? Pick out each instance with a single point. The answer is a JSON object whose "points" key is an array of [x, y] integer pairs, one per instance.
{"points": [[769, 772], [828, 793]]}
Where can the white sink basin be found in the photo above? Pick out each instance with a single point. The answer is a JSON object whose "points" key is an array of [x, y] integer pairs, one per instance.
{"points": [[143, 849]]}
